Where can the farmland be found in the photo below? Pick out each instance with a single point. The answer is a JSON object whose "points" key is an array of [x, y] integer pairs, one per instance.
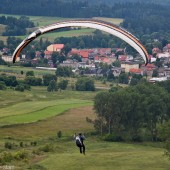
{"points": [[40, 21]]}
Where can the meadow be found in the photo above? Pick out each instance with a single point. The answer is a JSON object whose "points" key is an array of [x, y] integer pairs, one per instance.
{"points": [[38, 115]]}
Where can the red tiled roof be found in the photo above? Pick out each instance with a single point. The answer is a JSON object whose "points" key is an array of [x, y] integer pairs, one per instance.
{"points": [[149, 65], [135, 70], [84, 54], [106, 60], [96, 58], [47, 52], [122, 57]]}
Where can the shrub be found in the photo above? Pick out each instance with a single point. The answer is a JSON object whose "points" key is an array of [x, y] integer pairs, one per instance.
{"points": [[21, 144], [59, 134], [35, 167], [5, 157], [8, 145], [34, 143], [113, 138], [20, 155], [2, 85], [19, 88], [30, 73], [46, 148]]}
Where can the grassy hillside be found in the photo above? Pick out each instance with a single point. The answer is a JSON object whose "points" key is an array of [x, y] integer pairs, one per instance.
{"points": [[108, 156], [65, 111]]}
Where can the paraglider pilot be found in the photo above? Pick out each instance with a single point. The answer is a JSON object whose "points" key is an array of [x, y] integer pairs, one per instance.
{"points": [[79, 142]]}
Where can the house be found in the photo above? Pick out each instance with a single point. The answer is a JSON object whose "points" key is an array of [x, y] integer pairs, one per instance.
{"points": [[116, 71], [167, 72], [7, 58], [128, 65], [156, 50], [167, 48], [148, 69], [55, 47], [47, 54], [122, 58], [163, 55], [100, 72], [136, 71], [90, 72], [157, 79], [161, 72], [38, 54]]}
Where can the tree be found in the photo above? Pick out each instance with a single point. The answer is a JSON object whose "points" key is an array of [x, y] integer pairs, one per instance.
{"points": [[134, 81], [2, 62], [85, 84], [52, 86], [155, 73], [63, 84], [33, 81], [100, 109], [54, 57], [19, 88], [2, 45], [64, 71], [66, 49], [164, 135], [2, 85], [123, 78], [47, 78], [30, 73]]}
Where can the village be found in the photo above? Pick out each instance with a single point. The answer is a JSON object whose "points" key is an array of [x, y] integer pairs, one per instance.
{"points": [[90, 59]]}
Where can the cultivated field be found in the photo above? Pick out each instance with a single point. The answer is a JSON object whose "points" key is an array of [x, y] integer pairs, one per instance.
{"points": [[40, 21]]}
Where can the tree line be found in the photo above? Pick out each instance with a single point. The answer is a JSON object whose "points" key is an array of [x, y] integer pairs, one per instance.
{"points": [[14, 26], [134, 113], [48, 80]]}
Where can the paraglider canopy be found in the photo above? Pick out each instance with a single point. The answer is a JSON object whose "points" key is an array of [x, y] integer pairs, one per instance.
{"points": [[96, 24]]}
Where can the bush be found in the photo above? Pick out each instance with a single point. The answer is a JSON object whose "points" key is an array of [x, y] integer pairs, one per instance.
{"points": [[167, 147], [8, 145], [19, 88], [85, 84], [63, 84], [29, 73], [113, 138], [35, 167], [59, 134], [46, 148], [5, 157], [20, 155], [21, 144], [33, 143], [2, 85]]}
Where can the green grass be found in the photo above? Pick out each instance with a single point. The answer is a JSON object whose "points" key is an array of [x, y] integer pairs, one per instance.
{"points": [[17, 70], [18, 115], [67, 111], [72, 33], [107, 156]]}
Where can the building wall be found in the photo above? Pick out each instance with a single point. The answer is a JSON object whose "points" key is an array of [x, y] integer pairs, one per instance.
{"points": [[127, 67], [9, 58]]}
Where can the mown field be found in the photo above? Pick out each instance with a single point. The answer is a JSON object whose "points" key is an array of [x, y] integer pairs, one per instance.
{"points": [[40, 21], [66, 111]]}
